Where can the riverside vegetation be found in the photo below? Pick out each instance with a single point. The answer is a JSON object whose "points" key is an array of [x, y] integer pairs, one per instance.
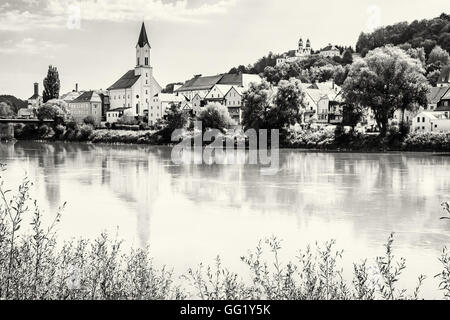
{"points": [[35, 265]]}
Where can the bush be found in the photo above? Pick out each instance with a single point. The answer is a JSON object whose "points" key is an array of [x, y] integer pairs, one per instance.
{"points": [[34, 265], [89, 120], [86, 131], [215, 116]]}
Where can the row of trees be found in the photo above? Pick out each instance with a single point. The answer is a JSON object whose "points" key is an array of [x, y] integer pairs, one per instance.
{"points": [[386, 80]]}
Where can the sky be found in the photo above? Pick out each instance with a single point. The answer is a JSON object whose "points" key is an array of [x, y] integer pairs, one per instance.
{"points": [[92, 42]]}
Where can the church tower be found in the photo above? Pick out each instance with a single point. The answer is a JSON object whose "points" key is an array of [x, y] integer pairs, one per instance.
{"points": [[308, 46], [300, 45], [142, 52]]}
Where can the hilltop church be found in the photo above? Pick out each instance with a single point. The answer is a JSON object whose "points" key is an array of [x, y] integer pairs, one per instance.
{"points": [[132, 93]]}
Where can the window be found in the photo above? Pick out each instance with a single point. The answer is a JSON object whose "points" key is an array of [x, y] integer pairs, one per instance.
{"points": [[138, 61], [418, 119], [137, 108], [146, 61], [423, 119]]}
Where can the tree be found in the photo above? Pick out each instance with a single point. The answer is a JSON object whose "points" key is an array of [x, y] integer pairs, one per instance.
{"points": [[438, 56], [433, 77], [352, 114], [347, 58], [288, 105], [6, 110], [51, 85], [89, 120], [256, 105], [387, 79], [52, 110], [174, 119], [215, 116]]}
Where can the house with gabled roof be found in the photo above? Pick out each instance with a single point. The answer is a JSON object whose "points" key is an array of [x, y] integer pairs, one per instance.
{"points": [[87, 104], [330, 51], [234, 103], [135, 89]]}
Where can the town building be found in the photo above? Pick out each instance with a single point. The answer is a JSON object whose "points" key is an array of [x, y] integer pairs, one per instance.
{"points": [[299, 54], [35, 101], [201, 90], [427, 121], [435, 95], [330, 51], [160, 103], [135, 89], [444, 103], [234, 102], [87, 104], [113, 115], [323, 103]]}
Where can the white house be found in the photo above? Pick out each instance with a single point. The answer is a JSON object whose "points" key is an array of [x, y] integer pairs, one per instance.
{"points": [[330, 51], [427, 121], [113, 115], [300, 53], [234, 102], [322, 102], [135, 89], [160, 103]]}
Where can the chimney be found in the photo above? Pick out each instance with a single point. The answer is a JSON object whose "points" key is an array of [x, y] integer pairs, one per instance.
{"points": [[36, 89], [76, 87]]}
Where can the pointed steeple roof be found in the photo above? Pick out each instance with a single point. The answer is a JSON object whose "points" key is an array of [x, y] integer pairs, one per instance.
{"points": [[143, 37]]}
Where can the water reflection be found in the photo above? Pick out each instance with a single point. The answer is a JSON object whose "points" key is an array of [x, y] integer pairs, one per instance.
{"points": [[189, 213]]}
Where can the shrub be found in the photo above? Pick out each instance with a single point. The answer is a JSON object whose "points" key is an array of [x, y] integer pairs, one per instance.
{"points": [[85, 132], [215, 116], [89, 120]]}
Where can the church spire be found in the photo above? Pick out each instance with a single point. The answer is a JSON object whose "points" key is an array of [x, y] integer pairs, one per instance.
{"points": [[143, 40]]}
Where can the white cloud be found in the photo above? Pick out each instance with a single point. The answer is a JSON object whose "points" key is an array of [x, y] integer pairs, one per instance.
{"points": [[29, 46], [69, 13]]}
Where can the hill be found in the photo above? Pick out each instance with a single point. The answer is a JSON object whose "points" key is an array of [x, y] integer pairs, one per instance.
{"points": [[426, 33], [14, 102]]}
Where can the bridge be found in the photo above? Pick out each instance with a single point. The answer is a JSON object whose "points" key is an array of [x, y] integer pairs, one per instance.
{"points": [[24, 121], [7, 126]]}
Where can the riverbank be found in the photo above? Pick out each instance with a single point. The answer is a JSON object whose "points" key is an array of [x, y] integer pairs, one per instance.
{"points": [[326, 140]]}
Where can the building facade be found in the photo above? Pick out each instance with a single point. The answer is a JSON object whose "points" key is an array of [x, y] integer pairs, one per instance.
{"points": [[330, 51], [87, 104], [135, 89], [427, 121], [160, 103], [35, 101]]}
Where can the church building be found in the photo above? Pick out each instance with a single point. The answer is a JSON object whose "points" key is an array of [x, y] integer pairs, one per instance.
{"points": [[302, 52], [133, 92]]}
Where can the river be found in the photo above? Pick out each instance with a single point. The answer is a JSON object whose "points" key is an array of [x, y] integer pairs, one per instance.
{"points": [[190, 213]]}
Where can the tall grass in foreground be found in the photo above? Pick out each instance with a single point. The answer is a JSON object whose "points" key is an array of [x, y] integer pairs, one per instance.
{"points": [[32, 266]]}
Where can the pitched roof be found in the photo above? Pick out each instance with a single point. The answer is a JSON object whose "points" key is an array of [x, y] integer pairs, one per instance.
{"points": [[118, 109], [85, 97], [330, 47], [231, 79], [200, 83], [70, 96], [143, 40], [436, 93], [126, 81]]}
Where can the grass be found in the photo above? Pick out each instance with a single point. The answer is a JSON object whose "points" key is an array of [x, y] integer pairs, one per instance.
{"points": [[35, 265]]}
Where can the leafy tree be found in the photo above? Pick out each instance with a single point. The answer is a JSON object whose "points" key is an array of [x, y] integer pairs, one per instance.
{"points": [[433, 77], [347, 58], [174, 119], [52, 111], [89, 120], [352, 114], [288, 105], [215, 116], [6, 110], [387, 79], [256, 106], [51, 85], [438, 56]]}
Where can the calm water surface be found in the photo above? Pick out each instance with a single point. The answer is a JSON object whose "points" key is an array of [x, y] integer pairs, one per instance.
{"points": [[190, 213]]}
